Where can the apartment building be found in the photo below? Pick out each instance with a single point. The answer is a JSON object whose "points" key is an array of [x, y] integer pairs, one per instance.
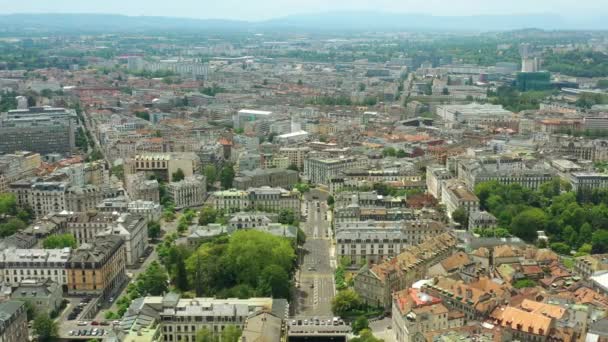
{"points": [[588, 180], [132, 228], [230, 200], [163, 165], [263, 198], [38, 129], [45, 197], [97, 268], [275, 199], [281, 178], [374, 241], [139, 187], [13, 321], [16, 166], [18, 265], [179, 319], [44, 295], [415, 313], [189, 192], [435, 175], [368, 199], [320, 170], [295, 155], [375, 283], [455, 195]]}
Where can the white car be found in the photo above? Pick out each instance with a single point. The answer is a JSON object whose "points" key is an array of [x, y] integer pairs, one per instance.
{"points": [[83, 323]]}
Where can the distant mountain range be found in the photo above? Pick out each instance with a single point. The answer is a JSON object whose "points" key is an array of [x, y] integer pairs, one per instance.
{"points": [[335, 21]]}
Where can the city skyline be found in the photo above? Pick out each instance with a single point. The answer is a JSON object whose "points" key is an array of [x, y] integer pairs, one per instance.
{"points": [[270, 9]]}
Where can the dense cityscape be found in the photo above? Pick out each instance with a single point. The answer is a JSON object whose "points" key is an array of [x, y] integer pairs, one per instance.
{"points": [[284, 185]]}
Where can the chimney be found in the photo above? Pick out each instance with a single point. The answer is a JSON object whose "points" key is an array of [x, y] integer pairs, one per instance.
{"points": [[469, 294]]}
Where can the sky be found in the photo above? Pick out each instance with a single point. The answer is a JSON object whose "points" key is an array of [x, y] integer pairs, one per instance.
{"points": [[266, 9]]}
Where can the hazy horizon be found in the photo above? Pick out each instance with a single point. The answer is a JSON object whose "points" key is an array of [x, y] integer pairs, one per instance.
{"points": [[269, 9]]}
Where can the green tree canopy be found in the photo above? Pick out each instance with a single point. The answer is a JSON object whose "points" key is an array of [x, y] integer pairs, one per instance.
{"points": [[45, 327], [153, 229], [207, 215], [360, 324], [345, 301], [527, 223], [178, 175], [227, 176], [59, 241], [153, 281]]}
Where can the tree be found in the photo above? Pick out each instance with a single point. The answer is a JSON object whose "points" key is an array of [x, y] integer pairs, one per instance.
{"points": [[178, 175], [8, 204], [231, 334], [302, 187], [293, 167], [227, 176], [153, 281], [401, 153], [461, 216], [527, 223], [204, 335], [274, 281], [330, 200], [153, 229], [366, 335], [30, 310], [45, 328], [118, 171], [521, 283], [361, 323], [301, 237], [345, 301], [11, 227], [389, 152], [181, 275], [207, 215], [59, 241], [560, 248], [210, 173], [286, 216], [300, 83], [599, 241]]}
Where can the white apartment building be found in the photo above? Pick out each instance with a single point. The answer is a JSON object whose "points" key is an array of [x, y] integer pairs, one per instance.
{"points": [[134, 231], [322, 170], [181, 318], [373, 241], [435, 175], [455, 194], [189, 192], [588, 180], [296, 155], [17, 265]]}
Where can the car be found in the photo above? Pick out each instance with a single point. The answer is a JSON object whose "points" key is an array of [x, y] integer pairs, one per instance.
{"points": [[104, 323], [71, 333], [311, 268], [102, 332], [79, 332], [116, 322], [83, 323], [294, 322], [94, 323], [111, 299], [312, 286], [305, 322]]}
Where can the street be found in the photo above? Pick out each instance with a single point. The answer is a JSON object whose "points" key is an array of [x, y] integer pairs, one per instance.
{"points": [[316, 275]]}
